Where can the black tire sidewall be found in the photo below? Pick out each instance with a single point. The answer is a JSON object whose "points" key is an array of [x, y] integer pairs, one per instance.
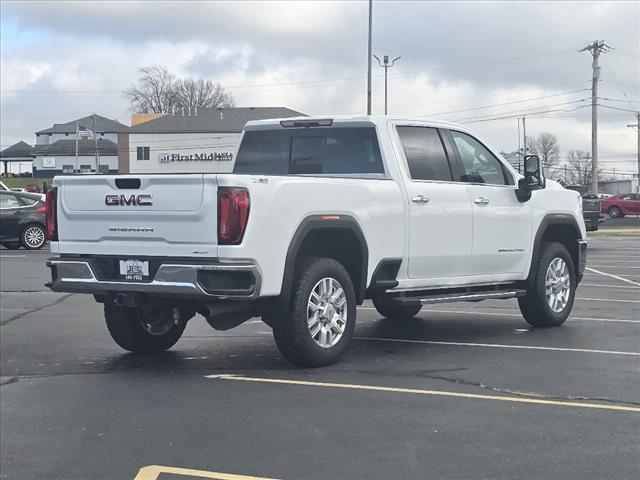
{"points": [[126, 330], [537, 310], [24, 231], [616, 209], [292, 333]]}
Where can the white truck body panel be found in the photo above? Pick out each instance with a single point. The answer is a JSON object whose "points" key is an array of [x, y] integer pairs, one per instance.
{"points": [[449, 241]]}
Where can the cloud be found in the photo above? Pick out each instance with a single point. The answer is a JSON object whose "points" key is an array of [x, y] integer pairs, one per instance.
{"points": [[63, 60]]}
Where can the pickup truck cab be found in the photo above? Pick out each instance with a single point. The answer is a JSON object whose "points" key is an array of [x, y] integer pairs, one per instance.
{"points": [[317, 216]]}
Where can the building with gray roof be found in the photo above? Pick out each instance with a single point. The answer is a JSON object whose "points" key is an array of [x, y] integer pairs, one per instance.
{"points": [[202, 140]]}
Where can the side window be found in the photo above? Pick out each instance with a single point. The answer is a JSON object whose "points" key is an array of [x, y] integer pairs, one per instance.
{"points": [[425, 153], [627, 197], [142, 153], [8, 200], [479, 165]]}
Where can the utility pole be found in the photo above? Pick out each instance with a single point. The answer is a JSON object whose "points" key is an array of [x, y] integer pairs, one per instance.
{"points": [[369, 58], [637, 125], [519, 151], [595, 48], [524, 135], [386, 65]]}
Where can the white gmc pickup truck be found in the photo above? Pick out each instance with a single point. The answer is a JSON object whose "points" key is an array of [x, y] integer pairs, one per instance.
{"points": [[317, 216]]}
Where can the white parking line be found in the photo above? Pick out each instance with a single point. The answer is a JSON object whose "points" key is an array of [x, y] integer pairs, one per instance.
{"points": [[617, 277], [613, 266], [500, 314], [12, 256], [498, 345], [607, 300], [600, 285]]}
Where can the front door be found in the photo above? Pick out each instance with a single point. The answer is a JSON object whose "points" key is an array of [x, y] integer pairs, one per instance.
{"points": [[501, 224], [440, 226]]}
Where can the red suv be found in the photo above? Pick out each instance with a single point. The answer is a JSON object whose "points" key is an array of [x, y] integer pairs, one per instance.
{"points": [[621, 205]]}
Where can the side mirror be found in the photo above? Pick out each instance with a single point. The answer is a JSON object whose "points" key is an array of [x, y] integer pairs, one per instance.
{"points": [[533, 172], [533, 178]]}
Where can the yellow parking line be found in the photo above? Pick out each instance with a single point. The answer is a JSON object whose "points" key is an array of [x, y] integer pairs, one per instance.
{"points": [[442, 393], [617, 277], [152, 472]]}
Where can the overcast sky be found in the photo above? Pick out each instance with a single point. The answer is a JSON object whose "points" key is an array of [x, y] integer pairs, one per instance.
{"points": [[64, 60]]}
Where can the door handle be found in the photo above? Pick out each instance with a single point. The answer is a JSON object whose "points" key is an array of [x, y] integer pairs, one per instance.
{"points": [[481, 201], [18, 212], [420, 199]]}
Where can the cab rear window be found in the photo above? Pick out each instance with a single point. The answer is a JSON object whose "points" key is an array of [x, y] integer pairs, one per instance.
{"points": [[319, 151]]}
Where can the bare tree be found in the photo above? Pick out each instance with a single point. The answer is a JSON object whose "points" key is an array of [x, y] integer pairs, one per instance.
{"points": [[546, 147], [578, 168], [154, 92], [158, 91], [202, 94]]}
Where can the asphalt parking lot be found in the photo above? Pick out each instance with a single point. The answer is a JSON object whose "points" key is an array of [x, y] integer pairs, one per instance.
{"points": [[466, 390]]}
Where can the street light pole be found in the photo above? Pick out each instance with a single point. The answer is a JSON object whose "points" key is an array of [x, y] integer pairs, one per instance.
{"points": [[386, 65], [637, 125], [369, 58]]}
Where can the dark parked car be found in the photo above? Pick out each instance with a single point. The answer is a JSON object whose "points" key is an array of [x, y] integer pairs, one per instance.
{"points": [[590, 207], [22, 221], [621, 205]]}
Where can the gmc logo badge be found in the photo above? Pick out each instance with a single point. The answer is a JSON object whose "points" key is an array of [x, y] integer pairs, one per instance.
{"points": [[128, 201]]}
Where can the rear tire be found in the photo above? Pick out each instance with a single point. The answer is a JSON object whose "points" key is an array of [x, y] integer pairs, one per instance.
{"points": [[551, 291], [615, 212], [391, 310], [127, 328], [11, 246], [318, 325], [33, 237]]}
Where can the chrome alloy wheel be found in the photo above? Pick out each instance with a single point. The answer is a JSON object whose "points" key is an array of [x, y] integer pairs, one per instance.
{"points": [[34, 237], [557, 285], [327, 312]]}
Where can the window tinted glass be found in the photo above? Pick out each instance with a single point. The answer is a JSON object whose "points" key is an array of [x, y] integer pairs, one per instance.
{"points": [[324, 151], [8, 200], [425, 153], [480, 166]]}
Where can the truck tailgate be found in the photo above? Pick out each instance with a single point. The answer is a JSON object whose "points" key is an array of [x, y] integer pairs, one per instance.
{"points": [[141, 215]]}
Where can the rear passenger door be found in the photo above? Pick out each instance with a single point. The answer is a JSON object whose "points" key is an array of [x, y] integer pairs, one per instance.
{"points": [[501, 223], [440, 226]]}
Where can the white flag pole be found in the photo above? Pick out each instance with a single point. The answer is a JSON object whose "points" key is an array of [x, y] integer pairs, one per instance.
{"points": [[77, 133]]}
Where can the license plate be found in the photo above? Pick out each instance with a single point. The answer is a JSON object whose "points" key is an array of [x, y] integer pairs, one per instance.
{"points": [[134, 269]]}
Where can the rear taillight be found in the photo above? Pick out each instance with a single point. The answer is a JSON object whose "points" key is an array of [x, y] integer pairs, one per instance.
{"points": [[41, 209], [233, 213], [51, 214]]}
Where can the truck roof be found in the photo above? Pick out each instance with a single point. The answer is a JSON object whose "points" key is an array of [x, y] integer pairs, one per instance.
{"points": [[350, 119]]}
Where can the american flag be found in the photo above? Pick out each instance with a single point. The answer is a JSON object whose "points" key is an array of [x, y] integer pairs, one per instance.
{"points": [[84, 132]]}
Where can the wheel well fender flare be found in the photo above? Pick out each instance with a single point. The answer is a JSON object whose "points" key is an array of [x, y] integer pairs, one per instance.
{"points": [[313, 224], [550, 220]]}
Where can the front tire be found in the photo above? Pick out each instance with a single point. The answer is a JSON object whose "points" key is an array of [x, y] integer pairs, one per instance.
{"points": [[318, 325], [615, 212], [33, 237], [390, 310], [11, 246], [551, 292], [129, 330]]}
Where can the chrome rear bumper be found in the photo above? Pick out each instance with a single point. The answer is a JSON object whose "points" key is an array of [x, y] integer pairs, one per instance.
{"points": [[76, 275]]}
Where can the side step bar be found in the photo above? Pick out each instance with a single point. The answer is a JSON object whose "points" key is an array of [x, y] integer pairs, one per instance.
{"points": [[460, 297]]}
